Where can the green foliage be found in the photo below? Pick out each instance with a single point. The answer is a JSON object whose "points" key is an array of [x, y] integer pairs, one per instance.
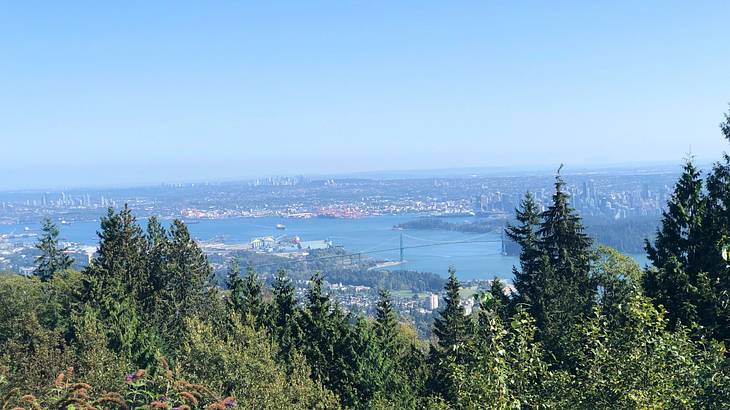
{"points": [[631, 360], [677, 282], [52, 258], [526, 236], [286, 317], [563, 291], [242, 364], [452, 330]]}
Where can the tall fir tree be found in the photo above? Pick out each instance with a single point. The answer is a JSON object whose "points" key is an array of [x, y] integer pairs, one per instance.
{"points": [[157, 269], [286, 316], [715, 248], [252, 306], [452, 331], [400, 361], [325, 332], [114, 284], [119, 269], [386, 322], [525, 234], [235, 285], [189, 279], [52, 258], [677, 279], [318, 327], [562, 292]]}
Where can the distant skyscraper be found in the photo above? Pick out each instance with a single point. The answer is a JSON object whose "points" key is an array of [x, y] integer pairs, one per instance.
{"points": [[433, 302]]}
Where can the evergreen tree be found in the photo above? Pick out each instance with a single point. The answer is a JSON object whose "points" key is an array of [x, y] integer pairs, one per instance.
{"points": [[157, 267], [320, 330], [286, 315], [386, 322], [714, 247], [235, 284], [119, 267], [363, 375], [188, 280], [114, 283], [677, 280], [525, 234], [250, 299], [452, 331], [52, 258], [499, 293], [401, 363], [562, 290], [285, 301]]}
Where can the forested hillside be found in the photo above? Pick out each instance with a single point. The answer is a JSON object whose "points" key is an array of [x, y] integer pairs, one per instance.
{"points": [[143, 327]]}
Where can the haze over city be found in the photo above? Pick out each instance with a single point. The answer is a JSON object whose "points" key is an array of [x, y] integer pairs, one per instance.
{"points": [[102, 94]]}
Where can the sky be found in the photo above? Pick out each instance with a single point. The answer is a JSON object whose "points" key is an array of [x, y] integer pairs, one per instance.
{"points": [[120, 93]]}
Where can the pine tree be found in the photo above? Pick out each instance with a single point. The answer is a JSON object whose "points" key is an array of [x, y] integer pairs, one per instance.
{"points": [[364, 365], [386, 322], [157, 269], [189, 279], [52, 258], [286, 316], [114, 283], [714, 246], [235, 284], [285, 301], [525, 234], [502, 301], [452, 331], [319, 327], [562, 291], [677, 280], [250, 299], [325, 342], [119, 269]]}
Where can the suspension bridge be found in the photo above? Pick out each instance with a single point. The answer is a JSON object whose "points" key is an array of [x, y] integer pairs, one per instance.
{"points": [[355, 259]]}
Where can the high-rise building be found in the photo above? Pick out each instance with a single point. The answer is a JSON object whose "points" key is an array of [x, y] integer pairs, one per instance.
{"points": [[433, 302]]}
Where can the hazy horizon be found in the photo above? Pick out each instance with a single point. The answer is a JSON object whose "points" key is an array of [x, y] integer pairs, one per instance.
{"points": [[650, 167], [144, 93]]}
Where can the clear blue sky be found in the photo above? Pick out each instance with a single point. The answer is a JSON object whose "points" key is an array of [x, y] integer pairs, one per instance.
{"points": [[144, 92]]}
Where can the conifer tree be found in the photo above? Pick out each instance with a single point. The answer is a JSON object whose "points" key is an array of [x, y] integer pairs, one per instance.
{"points": [[285, 302], [562, 292], [189, 278], [327, 342], [452, 331], [114, 283], [250, 299], [362, 376], [386, 322], [235, 284], [676, 280], [119, 269], [502, 301], [319, 331], [52, 258], [714, 313], [400, 361], [525, 234], [157, 269], [286, 315]]}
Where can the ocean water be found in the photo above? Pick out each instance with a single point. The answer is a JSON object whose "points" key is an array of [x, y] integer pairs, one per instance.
{"points": [[474, 256]]}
